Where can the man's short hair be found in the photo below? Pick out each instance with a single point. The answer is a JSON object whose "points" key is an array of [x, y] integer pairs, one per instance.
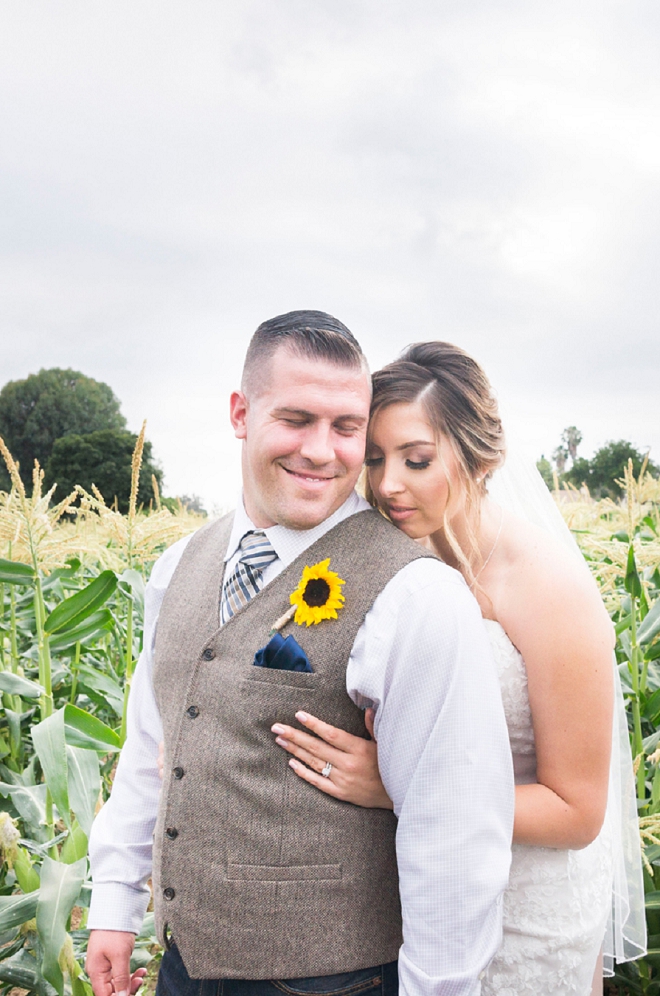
{"points": [[312, 334]]}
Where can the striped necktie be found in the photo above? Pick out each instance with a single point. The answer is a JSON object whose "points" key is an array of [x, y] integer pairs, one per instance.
{"points": [[245, 581]]}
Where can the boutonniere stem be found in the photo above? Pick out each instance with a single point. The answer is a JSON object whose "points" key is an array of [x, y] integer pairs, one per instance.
{"points": [[283, 620]]}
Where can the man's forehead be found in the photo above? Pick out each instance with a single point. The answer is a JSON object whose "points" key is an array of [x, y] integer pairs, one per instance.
{"points": [[293, 378]]}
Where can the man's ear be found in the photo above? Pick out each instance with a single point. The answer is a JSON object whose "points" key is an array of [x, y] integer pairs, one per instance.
{"points": [[238, 409]]}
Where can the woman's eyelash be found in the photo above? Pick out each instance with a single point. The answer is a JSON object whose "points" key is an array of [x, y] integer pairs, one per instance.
{"points": [[417, 465], [373, 461]]}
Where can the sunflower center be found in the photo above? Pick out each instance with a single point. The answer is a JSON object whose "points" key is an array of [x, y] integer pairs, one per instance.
{"points": [[317, 592]]}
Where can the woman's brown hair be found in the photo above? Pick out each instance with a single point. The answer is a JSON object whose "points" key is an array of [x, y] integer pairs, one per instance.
{"points": [[460, 406]]}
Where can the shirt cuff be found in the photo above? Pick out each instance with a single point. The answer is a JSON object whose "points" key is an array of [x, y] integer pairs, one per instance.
{"points": [[115, 906], [414, 982]]}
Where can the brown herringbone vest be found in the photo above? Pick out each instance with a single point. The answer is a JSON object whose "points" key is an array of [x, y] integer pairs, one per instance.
{"points": [[256, 873]]}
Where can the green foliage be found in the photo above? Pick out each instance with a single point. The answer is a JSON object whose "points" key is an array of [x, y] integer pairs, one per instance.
{"points": [[37, 411], [602, 473], [101, 458], [544, 468]]}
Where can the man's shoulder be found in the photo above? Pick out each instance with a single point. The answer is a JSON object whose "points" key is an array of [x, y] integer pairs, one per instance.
{"points": [[167, 563]]}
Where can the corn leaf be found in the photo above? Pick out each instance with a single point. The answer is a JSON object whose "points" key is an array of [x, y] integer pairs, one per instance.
{"points": [[652, 900], [74, 610], [109, 690], [15, 910], [75, 846], [29, 801], [651, 625], [22, 972], [85, 632], [631, 581], [12, 572], [84, 730], [50, 745], [84, 784], [60, 887], [16, 684]]}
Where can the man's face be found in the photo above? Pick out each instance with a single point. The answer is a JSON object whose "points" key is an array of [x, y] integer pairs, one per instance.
{"points": [[303, 437]]}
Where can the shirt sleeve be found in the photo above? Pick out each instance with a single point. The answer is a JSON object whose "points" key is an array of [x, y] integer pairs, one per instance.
{"points": [[422, 658], [120, 843]]}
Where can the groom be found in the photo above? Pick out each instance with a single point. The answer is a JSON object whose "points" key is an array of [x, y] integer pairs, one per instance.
{"points": [[261, 884]]}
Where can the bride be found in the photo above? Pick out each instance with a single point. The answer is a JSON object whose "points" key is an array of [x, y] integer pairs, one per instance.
{"points": [[435, 441]]}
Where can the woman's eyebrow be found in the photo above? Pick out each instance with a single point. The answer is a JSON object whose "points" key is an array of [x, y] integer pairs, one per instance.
{"points": [[416, 442]]}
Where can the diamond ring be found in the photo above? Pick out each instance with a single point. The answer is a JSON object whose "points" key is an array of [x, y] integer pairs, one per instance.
{"points": [[326, 771]]}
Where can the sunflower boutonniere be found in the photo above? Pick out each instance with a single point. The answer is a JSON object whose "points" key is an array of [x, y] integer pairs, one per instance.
{"points": [[317, 597]]}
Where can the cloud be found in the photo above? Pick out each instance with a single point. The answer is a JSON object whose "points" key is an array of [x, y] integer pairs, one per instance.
{"points": [[487, 175]]}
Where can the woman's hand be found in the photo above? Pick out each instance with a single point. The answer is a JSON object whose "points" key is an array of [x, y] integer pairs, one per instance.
{"points": [[354, 775]]}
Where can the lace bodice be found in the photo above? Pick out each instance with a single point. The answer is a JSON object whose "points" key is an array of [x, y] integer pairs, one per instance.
{"points": [[557, 901], [515, 698]]}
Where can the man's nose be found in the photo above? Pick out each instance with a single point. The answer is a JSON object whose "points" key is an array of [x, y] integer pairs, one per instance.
{"points": [[317, 446]]}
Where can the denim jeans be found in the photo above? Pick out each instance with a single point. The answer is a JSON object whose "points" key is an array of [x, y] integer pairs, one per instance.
{"points": [[173, 980]]}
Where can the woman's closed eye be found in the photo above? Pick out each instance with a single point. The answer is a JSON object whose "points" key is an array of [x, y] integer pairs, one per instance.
{"points": [[373, 461], [418, 464]]}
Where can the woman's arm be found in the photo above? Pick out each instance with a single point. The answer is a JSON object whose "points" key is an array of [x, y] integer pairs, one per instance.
{"points": [[354, 776], [551, 610]]}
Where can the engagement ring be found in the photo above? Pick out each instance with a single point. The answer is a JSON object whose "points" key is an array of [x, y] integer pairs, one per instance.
{"points": [[326, 771]]}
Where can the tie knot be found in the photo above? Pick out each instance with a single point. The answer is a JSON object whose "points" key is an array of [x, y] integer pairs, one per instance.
{"points": [[256, 551]]}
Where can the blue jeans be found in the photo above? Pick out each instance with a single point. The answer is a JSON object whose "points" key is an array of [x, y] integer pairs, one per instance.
{"points": [[173, 980]]}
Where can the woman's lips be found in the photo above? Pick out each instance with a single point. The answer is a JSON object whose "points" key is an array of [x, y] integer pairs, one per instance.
{"points": [[398, 513]]}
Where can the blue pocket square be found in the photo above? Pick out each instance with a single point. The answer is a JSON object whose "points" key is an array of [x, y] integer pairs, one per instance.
{"points": [[282, 655]]}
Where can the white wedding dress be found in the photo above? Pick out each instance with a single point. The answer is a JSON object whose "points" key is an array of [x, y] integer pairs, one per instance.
{"points": [[557, 903]]}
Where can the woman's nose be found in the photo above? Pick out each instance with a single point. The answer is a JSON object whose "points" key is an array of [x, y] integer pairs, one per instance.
{"points": [[390, 483]]}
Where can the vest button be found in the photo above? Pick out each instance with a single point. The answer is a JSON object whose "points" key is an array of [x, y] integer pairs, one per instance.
{"points": [[168, 893], [208, 654], [193, 712], [178, 773], [172, 833]]}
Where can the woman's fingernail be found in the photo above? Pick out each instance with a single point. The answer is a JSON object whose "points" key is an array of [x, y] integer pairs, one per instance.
{"points": [[281, 741], [293, 763], [302, 716], [278, 728]]}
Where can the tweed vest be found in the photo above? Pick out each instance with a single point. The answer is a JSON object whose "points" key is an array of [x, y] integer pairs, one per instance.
{"points": [[256, 873]]}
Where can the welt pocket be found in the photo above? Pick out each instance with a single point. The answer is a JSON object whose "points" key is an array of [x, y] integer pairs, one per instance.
{"points": [[283, 873], [260, 677]]}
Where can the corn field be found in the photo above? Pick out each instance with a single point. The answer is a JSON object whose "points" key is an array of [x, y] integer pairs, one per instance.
{"points": [[72, 581]]}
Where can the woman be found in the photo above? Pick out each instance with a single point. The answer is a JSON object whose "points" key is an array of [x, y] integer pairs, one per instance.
{"points": [[435, 440]]}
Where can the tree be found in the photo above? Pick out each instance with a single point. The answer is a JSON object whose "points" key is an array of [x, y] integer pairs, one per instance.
{"points": [[102, 458], [37, 411], [560, 456], [544, 468], [572, 437], [600, 474]]}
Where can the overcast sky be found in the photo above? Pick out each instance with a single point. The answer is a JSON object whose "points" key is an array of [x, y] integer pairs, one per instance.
{"points": [[485, 173]]}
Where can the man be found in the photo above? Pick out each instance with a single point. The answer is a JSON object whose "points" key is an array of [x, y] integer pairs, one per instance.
{"points": [[256, 876]]}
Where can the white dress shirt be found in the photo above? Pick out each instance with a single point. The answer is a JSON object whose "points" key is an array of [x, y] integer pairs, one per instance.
{"points": [[423, 660]]}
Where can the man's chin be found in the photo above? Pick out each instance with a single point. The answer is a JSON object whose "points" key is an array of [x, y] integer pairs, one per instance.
{"points": [[306, 512]]}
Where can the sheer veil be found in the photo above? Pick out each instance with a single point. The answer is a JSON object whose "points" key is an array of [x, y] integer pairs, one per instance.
{"points": [[519, 488]]}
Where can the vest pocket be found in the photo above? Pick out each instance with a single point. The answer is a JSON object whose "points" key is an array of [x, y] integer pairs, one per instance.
{"points": [[275, 678], [282, 873]]}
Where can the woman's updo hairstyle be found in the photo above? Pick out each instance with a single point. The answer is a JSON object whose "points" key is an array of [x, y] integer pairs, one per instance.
{"points": [[460, 406]]}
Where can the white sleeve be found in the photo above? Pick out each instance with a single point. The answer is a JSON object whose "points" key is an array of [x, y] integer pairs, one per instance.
{"points": [[423, 659], [121, 838]]}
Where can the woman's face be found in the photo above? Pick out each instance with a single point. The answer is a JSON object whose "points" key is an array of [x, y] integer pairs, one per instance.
{"points": [[408, 469]]}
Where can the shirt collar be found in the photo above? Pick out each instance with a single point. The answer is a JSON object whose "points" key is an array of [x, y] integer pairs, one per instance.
{"points": [[290, 543]]}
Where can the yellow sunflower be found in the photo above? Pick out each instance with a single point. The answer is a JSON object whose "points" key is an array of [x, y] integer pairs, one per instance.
{"points": [[318, 595]]}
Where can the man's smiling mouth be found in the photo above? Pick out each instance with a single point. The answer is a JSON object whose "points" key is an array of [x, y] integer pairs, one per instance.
{"points": [[307, 476]]}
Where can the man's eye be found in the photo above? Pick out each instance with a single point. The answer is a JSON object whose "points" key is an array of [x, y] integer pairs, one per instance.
{"points": [[295, 421], [373, 461], [417, 465]]}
